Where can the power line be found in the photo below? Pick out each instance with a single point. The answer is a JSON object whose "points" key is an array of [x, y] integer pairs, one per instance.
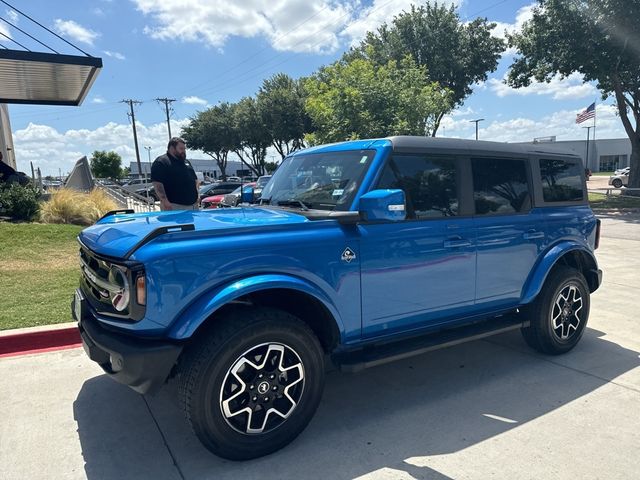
{"points": [[14, 41], [28, 35], [42, 26], [167, 102]]}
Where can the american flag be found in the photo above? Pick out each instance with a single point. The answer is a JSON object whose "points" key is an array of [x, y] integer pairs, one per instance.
{"points": [[587, 113]]}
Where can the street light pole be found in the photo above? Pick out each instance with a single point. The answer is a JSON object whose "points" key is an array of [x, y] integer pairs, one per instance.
{"points": [[476, 121]]}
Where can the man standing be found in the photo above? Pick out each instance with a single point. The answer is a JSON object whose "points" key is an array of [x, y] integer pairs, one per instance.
{"points": [[174, 179]]}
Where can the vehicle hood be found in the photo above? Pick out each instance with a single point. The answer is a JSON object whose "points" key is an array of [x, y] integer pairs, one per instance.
{"points": [[116, 235], [214, 198]]}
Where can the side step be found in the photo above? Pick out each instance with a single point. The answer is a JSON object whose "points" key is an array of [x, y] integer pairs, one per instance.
{"points": [[379, 353]]}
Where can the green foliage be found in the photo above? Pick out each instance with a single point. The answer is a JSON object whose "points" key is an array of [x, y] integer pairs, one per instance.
{"points": [[359, 99], [597, 38], [270, 167], [280, 102], [106, 164], [456, 54], [19, 202], [213, 131], [253, 135]]}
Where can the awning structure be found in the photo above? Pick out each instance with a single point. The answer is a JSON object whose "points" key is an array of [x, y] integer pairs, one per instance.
{"points": [[46, 78]]}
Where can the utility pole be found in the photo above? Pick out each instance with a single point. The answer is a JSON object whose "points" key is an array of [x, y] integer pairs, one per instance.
{"points": [[131, 103], [167, 105], [476, 122]]}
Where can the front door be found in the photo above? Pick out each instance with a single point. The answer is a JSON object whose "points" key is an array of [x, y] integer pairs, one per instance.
{"points": [[417, 271]]}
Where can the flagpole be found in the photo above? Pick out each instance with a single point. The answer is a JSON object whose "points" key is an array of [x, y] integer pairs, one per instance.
{"points": [[595, 113]]}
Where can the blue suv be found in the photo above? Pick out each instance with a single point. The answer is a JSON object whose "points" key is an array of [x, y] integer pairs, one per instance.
{"points": [[357, 254]]}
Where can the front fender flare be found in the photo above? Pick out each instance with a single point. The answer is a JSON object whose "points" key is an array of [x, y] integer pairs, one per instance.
{"points": [[536, 280], [201, 309]]}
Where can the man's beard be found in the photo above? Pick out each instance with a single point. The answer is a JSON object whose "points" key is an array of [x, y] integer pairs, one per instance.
{"points": [[181, 156]]}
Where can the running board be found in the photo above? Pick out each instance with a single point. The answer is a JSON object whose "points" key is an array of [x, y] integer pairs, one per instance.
{"points": [[377, 354]]}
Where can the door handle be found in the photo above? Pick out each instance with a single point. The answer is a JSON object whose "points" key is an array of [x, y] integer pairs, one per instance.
{"points": [[457, 242], [533, 235]]}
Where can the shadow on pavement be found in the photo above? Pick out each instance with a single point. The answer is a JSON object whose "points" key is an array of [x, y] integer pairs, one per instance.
{"points": [[369, 424]]}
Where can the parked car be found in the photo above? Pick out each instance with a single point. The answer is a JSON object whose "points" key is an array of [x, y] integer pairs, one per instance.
{"points": [[619, 180], [148, 191], [622, 171], [360, 253], [212, 202], [234, 179], [587, 174], [260, 184], [220, 188], [233, 199], [136, 184]]}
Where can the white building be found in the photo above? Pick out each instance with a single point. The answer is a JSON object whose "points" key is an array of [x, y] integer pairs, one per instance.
{"points": [[605, 155], [6, 140], [208, 168]]}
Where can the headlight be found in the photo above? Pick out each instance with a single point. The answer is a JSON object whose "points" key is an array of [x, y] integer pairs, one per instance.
{"points": [[119, 298]]}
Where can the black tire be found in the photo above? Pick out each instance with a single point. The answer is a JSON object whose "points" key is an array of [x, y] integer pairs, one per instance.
{"points": [[556, 325], [207, 384], [617, 183]]}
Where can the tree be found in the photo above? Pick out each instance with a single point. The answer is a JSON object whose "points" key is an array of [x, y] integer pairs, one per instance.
{"points": [[457, 54], [358, 99], [280, 102], [106, 164], [252, 137], [597, 38], [213, 132]]}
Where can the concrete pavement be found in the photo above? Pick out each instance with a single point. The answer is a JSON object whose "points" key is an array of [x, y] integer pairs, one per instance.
{"points": [[487, 409]]}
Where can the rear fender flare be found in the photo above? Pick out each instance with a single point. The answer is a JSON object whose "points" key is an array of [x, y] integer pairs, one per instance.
{"points": [[536, 280]]}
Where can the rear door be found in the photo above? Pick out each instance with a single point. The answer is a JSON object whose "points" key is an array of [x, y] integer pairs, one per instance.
{"points": [[510, 233]]}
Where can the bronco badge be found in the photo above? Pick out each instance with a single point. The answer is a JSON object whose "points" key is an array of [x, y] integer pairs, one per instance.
{"points": [[348, 255]]}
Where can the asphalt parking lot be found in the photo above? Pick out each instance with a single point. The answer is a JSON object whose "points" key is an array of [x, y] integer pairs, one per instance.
{"points": [[487, 409]]}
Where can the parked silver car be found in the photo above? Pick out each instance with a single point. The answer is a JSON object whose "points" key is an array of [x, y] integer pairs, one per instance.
{"points": [[618, 180]]}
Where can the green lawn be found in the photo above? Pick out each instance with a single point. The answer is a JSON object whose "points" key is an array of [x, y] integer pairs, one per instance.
{"points": [[602, 201], [38, 273], [602, 174]]}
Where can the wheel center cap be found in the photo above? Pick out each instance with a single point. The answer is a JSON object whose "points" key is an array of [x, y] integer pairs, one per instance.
{"points": [[263, 388]]}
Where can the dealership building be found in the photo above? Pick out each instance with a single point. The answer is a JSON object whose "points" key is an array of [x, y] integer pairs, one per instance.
{"points": [[605, 155]]}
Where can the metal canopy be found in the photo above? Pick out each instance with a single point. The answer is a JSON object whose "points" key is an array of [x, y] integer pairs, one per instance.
{"points": [[46, 78]]}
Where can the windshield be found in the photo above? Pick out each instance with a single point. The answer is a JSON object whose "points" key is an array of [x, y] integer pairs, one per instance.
{"points": [[205, 188], [323, 181], [262, 181]]}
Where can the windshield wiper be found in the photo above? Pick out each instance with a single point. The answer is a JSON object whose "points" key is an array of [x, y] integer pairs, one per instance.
{"points": [[293, 203]]}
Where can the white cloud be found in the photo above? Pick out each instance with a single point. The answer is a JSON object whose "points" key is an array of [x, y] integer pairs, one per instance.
{"points": [[116, 55], [289, 25], [569, 88], [98, 99], [75, 31], [5, 31], [522, 129], [98, 12], [501, 30], [13, 16], [50, 149], [193, 100]]}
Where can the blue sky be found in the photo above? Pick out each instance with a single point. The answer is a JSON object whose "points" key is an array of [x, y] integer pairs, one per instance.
{"points": [[201, 52]]}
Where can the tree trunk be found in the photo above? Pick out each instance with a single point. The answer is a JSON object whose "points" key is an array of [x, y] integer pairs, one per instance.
{"points": [[436, 125], [634, 174]]}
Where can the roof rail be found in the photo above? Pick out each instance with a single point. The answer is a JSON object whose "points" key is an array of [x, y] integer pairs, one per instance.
{"points": [[158, 232]]}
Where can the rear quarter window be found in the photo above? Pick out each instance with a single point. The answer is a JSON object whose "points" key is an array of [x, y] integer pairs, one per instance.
{"points": [[561, 180]]}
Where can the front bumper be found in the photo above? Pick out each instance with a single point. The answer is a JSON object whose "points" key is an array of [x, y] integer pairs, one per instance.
{"points": [[143, 365]]}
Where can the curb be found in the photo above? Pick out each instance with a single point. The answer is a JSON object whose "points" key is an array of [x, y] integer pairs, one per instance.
{"points": [[42, 339]]}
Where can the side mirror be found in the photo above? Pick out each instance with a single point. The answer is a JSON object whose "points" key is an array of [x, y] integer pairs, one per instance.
{"points": [[383, 205], [247, 195]]}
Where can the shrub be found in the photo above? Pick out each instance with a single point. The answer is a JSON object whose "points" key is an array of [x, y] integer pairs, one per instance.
{"points": [[71, 206], [19, 202]]}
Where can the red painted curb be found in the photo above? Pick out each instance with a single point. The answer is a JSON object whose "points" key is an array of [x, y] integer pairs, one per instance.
{"points": [[42, 341]]}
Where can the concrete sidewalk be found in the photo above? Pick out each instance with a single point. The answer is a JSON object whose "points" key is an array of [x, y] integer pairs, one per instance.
{"points": [[486, 409]]}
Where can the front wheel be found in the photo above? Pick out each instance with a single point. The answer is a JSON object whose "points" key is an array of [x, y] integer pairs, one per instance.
{"points": [[253, 384], [559, 314], [617, 183]]}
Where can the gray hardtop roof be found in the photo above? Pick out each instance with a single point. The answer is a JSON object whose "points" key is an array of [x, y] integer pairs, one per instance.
{"points": [[479, 147]]}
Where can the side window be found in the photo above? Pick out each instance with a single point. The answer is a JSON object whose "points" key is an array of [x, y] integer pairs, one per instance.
{"points": [[561, 180], [429, 184], [500, 186]]}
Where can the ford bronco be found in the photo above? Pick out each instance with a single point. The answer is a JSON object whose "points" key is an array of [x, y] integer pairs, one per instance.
{"points": [[358, 253]]}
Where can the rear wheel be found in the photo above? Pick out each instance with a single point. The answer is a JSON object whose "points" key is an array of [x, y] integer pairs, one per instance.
{"points": [[559, 314], [253, 384]]}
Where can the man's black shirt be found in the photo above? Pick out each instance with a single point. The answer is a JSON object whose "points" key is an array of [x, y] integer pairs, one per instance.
{"points": [[178, 178]]}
